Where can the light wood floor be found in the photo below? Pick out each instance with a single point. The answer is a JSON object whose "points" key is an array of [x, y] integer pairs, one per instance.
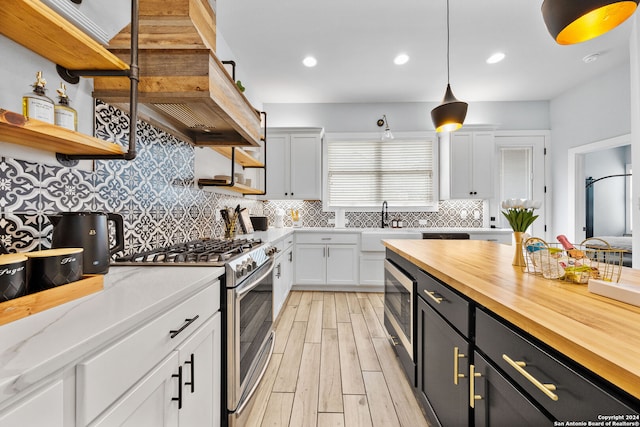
{"points": [[333, 366]]}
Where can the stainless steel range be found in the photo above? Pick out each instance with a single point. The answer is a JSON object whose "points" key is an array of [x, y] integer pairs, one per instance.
{"points": [[246, 302], [213, 252]]}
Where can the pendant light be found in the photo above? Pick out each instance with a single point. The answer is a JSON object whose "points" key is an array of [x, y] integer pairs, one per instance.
{"points": [[450, 114], [571, 21]]}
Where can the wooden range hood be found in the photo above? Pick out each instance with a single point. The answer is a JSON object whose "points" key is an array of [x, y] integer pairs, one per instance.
{"points": [[184, 88]]}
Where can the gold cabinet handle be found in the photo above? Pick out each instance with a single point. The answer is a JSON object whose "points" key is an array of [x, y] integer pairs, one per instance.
{"points": [[519, 366], [432, 295], [456, 357], [472, 386]]}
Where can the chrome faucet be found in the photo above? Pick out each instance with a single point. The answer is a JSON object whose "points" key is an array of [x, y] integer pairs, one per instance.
{"points": [[385, 213]]}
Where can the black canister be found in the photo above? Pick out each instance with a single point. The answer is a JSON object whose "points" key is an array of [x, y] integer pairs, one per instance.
{"points": [[13, 276], [90, 231], [53, 267]]}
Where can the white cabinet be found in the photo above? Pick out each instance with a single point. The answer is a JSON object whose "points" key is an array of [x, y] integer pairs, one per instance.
{"points": [[372, 255], [283, 274], [43, 407], [294, 169], [470, 172], [146, 377], [326, 260], [150, 402], [504, 238], [201, 369]]}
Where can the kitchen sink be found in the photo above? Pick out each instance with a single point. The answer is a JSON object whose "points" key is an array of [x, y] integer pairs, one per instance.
{"points": [[371, 239]]}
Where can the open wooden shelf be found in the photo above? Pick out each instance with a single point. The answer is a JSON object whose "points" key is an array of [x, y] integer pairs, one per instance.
{"points": [[238, 188], [17, 129], [40, 29], [242, 157]]}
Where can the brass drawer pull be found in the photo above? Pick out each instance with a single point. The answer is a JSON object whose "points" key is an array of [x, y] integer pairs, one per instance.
{"points": [[472, 386], [456, 357], [547, 389], [432, 295]]}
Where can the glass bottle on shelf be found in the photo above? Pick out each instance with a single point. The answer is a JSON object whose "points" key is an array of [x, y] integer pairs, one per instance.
{"points": [[36, 105], [65, 116]]}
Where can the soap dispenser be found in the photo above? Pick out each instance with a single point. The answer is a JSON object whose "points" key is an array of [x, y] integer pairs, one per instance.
{"points": [[65, 116], [36, 105]]}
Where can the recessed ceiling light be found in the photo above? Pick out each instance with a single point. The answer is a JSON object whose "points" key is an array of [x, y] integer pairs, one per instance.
{"points": [[401, 59], [495, 58], [591, 58], [310, 61]]}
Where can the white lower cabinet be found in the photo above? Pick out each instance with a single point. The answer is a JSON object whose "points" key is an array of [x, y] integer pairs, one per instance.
{"points": [[326, 260], [372, 269], [149, 403], [182, 390], [165, 373], [201, 369], [283, 274], [504, 238], [43, 407]]}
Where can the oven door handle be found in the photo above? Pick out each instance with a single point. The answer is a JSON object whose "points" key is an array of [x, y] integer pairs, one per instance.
{"points": [[247, 287]]}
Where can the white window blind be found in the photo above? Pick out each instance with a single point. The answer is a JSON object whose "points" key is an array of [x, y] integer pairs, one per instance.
{"points": [[363, 173]]}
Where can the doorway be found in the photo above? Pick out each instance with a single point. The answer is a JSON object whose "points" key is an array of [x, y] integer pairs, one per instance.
{"points": [[522, 174], [576, 182]]}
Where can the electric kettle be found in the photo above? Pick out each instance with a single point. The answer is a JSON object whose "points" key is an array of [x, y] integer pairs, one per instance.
{"points": [[88, 230]]}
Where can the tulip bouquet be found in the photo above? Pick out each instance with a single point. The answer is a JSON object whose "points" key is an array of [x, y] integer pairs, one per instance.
{"points": [[519, 213]]}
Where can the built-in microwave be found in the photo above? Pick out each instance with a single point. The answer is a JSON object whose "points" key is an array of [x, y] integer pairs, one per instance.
{"points": [[398, 314]]}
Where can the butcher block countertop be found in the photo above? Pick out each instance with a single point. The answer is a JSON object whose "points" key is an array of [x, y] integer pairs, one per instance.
{"points": [[599, 333]]}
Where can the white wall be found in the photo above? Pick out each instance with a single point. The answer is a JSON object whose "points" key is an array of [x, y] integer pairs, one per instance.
{"points": [[635, 130], [597, 110], [414, 116]]}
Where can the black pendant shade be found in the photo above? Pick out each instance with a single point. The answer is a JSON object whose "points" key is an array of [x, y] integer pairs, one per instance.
{"points": [[575, 21], [450, 114]]}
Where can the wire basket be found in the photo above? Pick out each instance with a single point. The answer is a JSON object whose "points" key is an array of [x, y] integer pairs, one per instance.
{"points": [[592, 259]]}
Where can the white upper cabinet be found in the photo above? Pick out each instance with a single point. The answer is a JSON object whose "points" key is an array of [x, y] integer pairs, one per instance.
{"points": [[468, 166], [294, 169]]}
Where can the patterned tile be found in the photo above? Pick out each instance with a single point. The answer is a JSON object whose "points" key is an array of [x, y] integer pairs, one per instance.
{"points": [[156, 195], [19, 185], [66, 189], [19, 232]]}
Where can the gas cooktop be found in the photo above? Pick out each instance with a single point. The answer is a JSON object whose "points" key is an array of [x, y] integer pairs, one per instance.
{"points": [[211, 252]]}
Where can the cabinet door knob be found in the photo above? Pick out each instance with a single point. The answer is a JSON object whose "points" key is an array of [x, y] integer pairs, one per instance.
{"points": [[456, 357], [472, 386], [191, 383], [179, 377], [174, 333], [432, 295], [519, 366]]}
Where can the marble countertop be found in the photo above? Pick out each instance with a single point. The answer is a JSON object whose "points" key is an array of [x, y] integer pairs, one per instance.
{"points": [[39, 345], [274, 234]]}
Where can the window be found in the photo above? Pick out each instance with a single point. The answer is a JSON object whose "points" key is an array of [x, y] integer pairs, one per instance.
{"points": [[362, 173]]}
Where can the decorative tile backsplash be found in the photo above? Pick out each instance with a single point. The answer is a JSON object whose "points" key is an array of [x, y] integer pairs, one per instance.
{"points": [[156, 195], [448, 215]]}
